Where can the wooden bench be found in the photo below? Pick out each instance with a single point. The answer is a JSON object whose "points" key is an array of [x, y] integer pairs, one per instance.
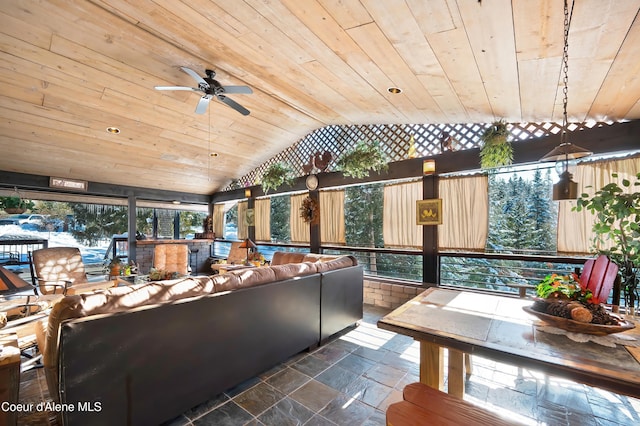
{"points": [[423, 405]]}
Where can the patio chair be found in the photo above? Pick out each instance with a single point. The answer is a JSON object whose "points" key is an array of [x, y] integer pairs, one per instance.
{"points": [[60, 270], [237, 255], [171, 258], [600, 274]]}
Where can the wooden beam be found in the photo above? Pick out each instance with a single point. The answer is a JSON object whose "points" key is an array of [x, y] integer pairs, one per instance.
{"points": [[41, 183]]}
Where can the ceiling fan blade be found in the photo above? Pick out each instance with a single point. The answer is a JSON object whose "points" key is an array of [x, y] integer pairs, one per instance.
{"points": [[189, 89], [233, 104], [203, 103], [195, 76], [244, 90]]}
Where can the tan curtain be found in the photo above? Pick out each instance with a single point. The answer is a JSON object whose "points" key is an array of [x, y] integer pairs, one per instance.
{"points": [[332, 217], [299, 229], [263, 219], [465, 213], [399, 215], [218, 220], [243, 229], [575, 229]]}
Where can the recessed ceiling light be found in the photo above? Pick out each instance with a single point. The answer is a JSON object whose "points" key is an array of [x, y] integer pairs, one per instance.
{"points": [[176, 202], [213, 154], [113, 130], [394, 90]]}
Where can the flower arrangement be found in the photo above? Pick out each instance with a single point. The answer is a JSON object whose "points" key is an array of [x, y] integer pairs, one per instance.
{"points": [[564, 287], [310, 211], [256, 258]]}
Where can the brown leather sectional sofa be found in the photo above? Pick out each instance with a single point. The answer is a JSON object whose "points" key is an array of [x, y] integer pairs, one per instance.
{"points": [[146, 353]]}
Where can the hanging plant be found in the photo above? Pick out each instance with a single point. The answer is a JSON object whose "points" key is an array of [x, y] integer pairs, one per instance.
{"points": [[15, 205], [496, 151], [276, 175], [364, 157], [310, 211]]}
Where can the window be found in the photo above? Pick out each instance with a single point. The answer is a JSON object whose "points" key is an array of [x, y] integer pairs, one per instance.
{"points": [[280, 210]]}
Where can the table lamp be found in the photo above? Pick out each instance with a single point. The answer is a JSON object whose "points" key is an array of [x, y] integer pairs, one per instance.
{"points": [[249, 245]]}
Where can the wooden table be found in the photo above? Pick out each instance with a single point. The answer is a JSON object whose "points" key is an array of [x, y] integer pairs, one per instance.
{"points": [[497, 328]]}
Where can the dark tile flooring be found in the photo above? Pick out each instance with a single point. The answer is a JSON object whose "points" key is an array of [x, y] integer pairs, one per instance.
{"points": [[353, 379]]}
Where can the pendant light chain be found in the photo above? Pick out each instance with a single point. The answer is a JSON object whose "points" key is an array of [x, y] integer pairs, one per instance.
{"points": [[565, 69]]}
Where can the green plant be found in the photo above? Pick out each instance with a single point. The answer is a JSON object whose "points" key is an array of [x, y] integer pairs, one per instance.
{"points": [[564, 286], [16, 203], [618, 223], [364, 157], [276, 175], [496, 150]]}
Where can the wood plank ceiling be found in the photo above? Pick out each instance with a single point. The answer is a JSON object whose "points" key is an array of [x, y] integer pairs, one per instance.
{"points": [[72, 68]]}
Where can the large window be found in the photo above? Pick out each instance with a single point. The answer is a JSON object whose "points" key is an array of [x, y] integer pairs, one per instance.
{"points": [[522, 215], [280, 211]]}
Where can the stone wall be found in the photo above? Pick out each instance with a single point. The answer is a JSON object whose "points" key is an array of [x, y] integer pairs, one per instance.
{"points": [[389, 295]]}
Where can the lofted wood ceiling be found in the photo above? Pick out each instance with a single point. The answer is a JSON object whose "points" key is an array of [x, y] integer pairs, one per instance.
{"points": [[72, 68]]}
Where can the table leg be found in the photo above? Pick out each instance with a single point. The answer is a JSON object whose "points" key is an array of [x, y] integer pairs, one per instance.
{"points": [[456, 375], [432, 365]]}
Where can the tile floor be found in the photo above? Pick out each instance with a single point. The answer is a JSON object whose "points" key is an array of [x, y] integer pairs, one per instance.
{"points": [[352, 380]]}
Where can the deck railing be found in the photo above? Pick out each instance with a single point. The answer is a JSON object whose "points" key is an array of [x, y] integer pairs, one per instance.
{"points": [[495, 272]]}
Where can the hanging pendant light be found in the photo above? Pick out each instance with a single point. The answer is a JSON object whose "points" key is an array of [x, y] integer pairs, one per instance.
{"points": [[566, 188]]}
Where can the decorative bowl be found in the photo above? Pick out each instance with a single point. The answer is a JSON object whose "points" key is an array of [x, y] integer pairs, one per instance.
{"points": [[581, 327]]}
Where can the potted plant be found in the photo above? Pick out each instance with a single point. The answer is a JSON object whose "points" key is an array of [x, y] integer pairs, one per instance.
{"points": [[276, 175], [15, 205], [496, 150], [364, 157], [618, 223]]}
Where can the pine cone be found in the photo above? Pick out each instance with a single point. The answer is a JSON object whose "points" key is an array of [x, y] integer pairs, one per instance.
{"points": [[559, 309]]}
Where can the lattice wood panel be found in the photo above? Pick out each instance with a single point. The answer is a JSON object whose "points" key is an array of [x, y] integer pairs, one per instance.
{"points": [[396, 142]]}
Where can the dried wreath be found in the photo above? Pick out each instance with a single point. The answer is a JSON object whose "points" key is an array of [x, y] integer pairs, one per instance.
{"points": [[310, 211]]}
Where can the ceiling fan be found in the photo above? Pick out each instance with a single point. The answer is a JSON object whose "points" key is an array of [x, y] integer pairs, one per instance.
{"points": [[210, 88]]}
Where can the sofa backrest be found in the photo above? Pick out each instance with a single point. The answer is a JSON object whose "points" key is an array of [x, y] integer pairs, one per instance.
{"points": [[283, 258], [113, 300]]}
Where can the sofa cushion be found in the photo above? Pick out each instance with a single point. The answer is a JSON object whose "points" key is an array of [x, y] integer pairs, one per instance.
{"points": [[314, 257], [225, 282], [337, 263], [283, 258], [254, 276], [290, 270]]}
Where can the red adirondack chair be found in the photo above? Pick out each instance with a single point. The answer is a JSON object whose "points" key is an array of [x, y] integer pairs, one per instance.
{"points": [[598, 275]]}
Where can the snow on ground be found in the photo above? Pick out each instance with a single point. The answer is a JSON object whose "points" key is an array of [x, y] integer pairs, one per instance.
{"points": [[90, 255]]}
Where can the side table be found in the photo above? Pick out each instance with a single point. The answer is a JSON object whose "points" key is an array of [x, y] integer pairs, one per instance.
{"points": [[9, 375]]}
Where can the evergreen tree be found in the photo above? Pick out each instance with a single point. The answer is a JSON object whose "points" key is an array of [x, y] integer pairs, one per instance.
{"points": [[363, 215], [280, 211], [98, 222]]}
